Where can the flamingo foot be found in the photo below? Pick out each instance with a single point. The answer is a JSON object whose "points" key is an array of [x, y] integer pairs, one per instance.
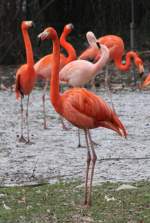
{"points": [[80, 146], [22, 139]]}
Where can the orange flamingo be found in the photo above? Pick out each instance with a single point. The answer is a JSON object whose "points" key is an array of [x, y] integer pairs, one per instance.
{"points": [[25, 76], [82, 108], [116, 47], [43, 66]]}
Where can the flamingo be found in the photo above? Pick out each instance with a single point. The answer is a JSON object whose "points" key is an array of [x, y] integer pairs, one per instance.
{"points": [[82, 108], [25, 76], [43, 66], [116, 47]]}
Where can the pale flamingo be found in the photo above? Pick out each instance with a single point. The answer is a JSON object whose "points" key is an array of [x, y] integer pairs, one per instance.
{"points": [[82, 108], [43, 66], [116, 47], [79, 72], [25, 76]]}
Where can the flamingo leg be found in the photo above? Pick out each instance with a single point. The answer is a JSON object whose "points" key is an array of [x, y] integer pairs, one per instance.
{"points": [[87, 168], [79, 138], [108, 89], [79, 141], [27, 120], [43, 100], [22, 139], [94, 158]]}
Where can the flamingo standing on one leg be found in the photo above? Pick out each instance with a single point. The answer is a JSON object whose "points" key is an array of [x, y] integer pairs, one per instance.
{"points": [[25, 76], [43, 66], [116, 47], [82, 108]]}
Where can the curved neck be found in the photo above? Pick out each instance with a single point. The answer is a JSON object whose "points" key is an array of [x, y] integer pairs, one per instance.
{"points": [[28, 47], [68, 47], [54, 87], [89, 53], [102, 60], [124, 67]]}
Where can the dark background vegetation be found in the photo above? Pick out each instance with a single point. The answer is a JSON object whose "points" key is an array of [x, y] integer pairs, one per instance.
{"points": [[101, 16]]}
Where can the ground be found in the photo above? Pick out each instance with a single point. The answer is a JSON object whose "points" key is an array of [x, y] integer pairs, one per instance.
{"points": [[54, 155]]}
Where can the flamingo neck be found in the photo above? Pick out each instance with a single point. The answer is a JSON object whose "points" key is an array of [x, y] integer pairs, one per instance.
{"points": [[89, 53], [54, 87], [68, 47], [102, 60], [28, 47], [125, 67]]}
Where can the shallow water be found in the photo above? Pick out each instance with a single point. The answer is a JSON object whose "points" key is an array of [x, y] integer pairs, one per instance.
{"points": [[54, 155]]}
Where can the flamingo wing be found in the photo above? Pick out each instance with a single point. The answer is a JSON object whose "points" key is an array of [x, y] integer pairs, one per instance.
{"points": [[86, 110]]}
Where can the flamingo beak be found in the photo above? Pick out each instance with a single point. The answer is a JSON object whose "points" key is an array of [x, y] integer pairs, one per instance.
{"points": [[141, 69], [146, 81], [98, 45]]}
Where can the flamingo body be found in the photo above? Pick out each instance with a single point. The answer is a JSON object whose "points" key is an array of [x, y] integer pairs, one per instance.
{"points": [[43, 66], [85, 110], [25, 80]]}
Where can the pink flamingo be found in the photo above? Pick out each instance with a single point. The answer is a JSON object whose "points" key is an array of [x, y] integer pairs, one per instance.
{"points": [[82, 108], [25, 76], [43, 66], [79, 72]]}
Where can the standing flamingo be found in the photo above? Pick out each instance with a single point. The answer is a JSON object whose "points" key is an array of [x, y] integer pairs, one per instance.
{"points": [[116, 47], [82, 108], [25, 76], [43, 66]]}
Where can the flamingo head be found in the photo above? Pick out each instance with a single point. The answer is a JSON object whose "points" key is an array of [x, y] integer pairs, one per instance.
{"points": [[27, 24], [92, 39], [68, 28], [140, 66], [146, 82], [48, 33]]}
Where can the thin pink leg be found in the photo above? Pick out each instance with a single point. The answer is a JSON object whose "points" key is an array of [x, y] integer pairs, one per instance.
{"points": [[22, 139], [94, 158], [27, 120], [87, 168], [43, 100]]}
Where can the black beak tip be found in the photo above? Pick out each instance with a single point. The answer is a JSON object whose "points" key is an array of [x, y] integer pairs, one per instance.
{"points": [[98, 45]]}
